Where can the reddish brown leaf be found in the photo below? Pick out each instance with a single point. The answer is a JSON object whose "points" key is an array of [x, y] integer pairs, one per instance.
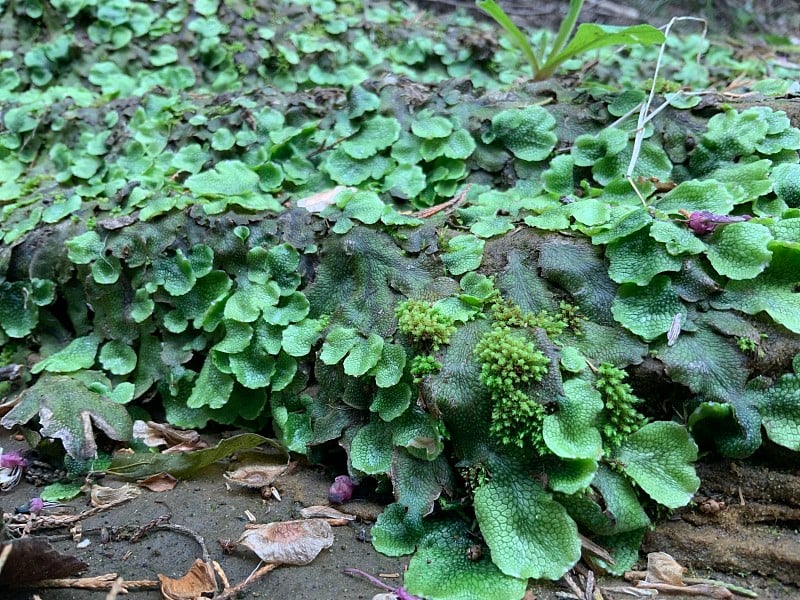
{"points": [[163, 482], [198, 580]]}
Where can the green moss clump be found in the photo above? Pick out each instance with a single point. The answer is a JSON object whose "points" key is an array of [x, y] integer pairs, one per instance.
{"points": [[424, 323], [509, 364], [422, 366], [622, 418], [506, 313]]}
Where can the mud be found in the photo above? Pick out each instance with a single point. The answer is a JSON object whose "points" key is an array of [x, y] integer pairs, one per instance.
{"points": [[755, 545]]}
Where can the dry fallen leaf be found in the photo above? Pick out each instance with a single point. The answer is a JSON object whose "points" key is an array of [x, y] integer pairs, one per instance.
{"points": [[255, 476], [108, 496], [321, 200], [662, 568], [162, 482], [154, 434], [197, 581], [288, 542], [32, 559], [324, 512]]}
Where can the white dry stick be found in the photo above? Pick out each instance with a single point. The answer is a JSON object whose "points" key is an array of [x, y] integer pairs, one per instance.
{"points": [[644, 111]]}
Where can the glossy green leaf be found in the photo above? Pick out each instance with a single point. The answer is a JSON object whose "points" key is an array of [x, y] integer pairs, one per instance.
{"points": [[371, 449], [441, 569], [389, 369], [647, 311], [740, 250], [529, 534], [527, 132], [375, 134], [78, 354], [117, 358], [337, 344], [226, 178], [391, 402], [773, 291], [659, 459], [638, 258], [464, 253], [364, 355], [570, 432]]}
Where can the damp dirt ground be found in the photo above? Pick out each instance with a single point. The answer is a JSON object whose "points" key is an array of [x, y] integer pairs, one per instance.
{"points": [[743, 529]]}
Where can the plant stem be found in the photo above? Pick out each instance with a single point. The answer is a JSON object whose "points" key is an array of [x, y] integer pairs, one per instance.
{"points": [[491, 8], [567, 27]]}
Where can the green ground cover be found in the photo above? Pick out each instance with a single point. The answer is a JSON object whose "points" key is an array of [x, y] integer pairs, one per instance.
{"points": [[214, 212]]}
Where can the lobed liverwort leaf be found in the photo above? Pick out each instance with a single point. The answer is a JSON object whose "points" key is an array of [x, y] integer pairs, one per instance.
{"points": [[442, 570], [529, 533], [659, 459]]}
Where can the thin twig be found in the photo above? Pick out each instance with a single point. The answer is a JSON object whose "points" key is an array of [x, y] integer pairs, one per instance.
{"points": [[117, 587], [645, 108], [448, 206], [101, 582], [233, 591]]}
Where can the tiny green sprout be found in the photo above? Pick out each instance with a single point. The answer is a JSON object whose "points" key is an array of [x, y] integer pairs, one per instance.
{"points": [[589, 36], [571, 315], [506, 313], [749, 345]]}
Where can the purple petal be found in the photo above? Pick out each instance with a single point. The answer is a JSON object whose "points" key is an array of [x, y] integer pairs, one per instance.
{"points": [[35, 505], [341, 490], [11, 460]]}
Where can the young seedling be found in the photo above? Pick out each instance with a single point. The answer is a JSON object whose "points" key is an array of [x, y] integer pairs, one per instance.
{"points": [[589, 36]]}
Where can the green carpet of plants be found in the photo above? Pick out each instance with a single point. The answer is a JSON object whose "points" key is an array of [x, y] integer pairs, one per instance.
{"points": [[215, 212]]}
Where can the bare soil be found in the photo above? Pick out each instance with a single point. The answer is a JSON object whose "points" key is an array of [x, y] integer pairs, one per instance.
{"points": [[743, 529]]}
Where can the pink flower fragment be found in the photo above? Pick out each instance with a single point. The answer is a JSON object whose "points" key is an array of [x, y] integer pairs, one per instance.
{"points": [[702, 222], [11, 460], [341, 490]]}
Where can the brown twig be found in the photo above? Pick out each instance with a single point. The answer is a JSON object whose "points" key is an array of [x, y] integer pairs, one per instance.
{"points": [[233, 591], [448, 206], [100, 582]]}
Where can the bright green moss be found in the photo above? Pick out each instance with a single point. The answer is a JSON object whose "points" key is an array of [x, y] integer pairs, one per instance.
{"points": [[622, 418], [424, 323], [509, 364], [506, 313], [422, 366]]}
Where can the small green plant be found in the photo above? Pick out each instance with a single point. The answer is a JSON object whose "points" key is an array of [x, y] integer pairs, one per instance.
{"points": [[622, 418], [424, 323], [589, 36], [510, 363], [423, 365]]}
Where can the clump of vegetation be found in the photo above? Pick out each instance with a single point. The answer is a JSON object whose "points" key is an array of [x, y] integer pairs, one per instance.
{"points": [[621, 416], [510, 364], [422, 366], [240, 264], [424, 323], [507, 313]]}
